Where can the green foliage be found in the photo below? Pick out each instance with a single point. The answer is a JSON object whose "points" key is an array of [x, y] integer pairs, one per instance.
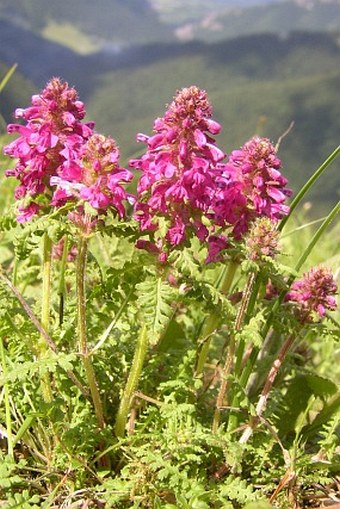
{"points": [[8, 476], [23, 500], [55, 452], [155, 299]]}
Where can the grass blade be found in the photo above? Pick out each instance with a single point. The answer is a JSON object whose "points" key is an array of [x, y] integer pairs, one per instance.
{"points": [[316, 175], [317, 236], [7, 77]]}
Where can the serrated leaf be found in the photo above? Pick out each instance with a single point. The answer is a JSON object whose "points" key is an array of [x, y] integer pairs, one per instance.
{"points": [[252, 330], [237, 489], [23, 500], [7, 222], [184, 262], [155, 300], [28, 369]]}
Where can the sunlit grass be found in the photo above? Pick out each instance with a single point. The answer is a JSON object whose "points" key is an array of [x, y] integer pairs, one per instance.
{"points": [[71, 36]]}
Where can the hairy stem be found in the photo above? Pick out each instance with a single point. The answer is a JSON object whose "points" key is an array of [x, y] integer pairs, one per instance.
{"points": [[211, 323], [262, 402], [61, 288], [44, 335], [45, 314], [132, 382], [82, 332], [304, 256], [229, 362], [7, 402]]}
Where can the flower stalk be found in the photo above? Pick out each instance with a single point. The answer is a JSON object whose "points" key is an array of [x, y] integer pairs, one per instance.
{"points": [[262, 402], [229, 362], [7, 401], [131, 384], [61, 288], [211, 324], [45, 313], [82, 331]]}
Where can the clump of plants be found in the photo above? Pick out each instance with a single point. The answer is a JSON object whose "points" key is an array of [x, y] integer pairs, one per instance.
{"points": [[161, 347]]}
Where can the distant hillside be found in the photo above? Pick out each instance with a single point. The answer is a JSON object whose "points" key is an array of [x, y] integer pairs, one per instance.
{"points": [[117, 22], [87, 25], [277, 17], [176, 11]]}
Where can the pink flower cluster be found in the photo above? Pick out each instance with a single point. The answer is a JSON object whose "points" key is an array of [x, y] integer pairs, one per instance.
{"points": [[91, 172], [53, 121], [313, 294], [186, 186], [251, 187], [55, 148], [180, 166]]}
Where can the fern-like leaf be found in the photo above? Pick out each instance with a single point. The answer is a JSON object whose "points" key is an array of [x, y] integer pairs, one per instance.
{"points": [[155, 300]]}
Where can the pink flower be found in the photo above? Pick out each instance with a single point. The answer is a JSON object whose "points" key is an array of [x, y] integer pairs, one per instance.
{"points": [[313, 294], [61, 160], [179, 170], [251, 186], [216, 244], [53, 119], [92, 174]]}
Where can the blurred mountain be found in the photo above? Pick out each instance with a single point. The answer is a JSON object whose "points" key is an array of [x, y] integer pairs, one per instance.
{"points": [[178, 11], [99, 23], [87, 26], [279, 17]]}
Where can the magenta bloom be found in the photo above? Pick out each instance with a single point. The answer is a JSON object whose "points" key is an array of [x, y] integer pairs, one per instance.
{"points": [[91, 173], [216, 244], [179, 171], [52, 121], [314, 293], [252, 186]]}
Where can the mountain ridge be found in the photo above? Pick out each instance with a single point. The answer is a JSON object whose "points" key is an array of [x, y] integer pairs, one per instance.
{"points": [[115, 24]]}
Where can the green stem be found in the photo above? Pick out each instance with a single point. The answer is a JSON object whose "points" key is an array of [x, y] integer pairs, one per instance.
{"points": [[45, 313], [15, 271], [7, 77], [7, 402], [262, 402], [253, 286], [131, 384], [82, 331], [249, 313], [225, 383], [231, 350], [211, 323], [252, 359], [44, 335], [61, 288]]}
